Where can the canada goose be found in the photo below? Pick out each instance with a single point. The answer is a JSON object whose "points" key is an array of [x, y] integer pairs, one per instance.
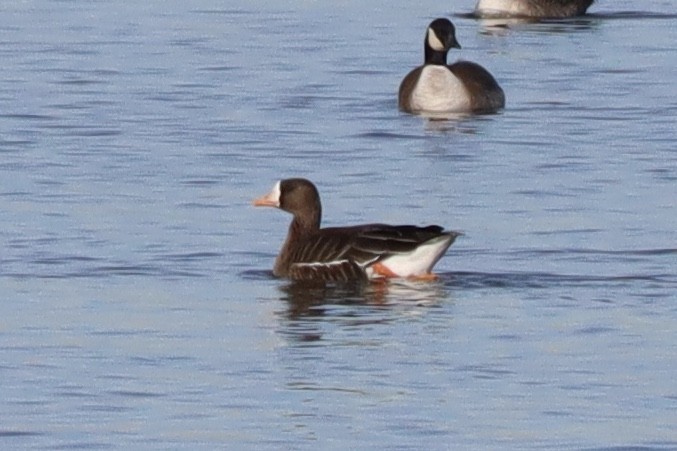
{"points": [[437, 87]]}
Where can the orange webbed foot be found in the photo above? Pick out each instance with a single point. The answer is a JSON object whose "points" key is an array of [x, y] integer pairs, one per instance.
{"points": [[383, 271]]}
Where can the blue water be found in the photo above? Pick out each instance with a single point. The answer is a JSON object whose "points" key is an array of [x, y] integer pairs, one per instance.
{"points": [[138, 309]]}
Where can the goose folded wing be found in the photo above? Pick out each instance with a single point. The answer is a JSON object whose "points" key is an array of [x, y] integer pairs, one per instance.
{"points": [[338, 254], [373, 242]]}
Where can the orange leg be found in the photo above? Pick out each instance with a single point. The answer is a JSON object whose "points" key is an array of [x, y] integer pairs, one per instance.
{"points": [[383, 271], [386, 273]]}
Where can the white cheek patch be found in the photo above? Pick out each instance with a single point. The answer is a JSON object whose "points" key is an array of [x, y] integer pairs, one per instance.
{"points": [[434, 42]]}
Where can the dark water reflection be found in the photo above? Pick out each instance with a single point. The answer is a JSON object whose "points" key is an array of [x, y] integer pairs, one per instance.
{"points": [[306, 297]]}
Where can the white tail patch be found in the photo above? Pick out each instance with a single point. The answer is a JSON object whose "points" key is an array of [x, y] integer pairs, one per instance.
{"points": [[418, 262]]}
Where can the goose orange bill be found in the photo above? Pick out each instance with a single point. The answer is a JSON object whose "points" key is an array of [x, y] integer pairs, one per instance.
{"points": [[272, 199]]}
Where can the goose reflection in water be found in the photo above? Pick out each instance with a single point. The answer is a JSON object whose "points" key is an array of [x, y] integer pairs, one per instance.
{"points": [[314, 309], [317, 299]]}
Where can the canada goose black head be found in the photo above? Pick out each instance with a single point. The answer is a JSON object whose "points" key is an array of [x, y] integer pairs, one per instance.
{"points": [[439, 39]]}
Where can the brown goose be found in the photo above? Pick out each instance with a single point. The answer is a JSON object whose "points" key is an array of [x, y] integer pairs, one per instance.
{"points": [[370, 251], [436, 87], [532, 8]]}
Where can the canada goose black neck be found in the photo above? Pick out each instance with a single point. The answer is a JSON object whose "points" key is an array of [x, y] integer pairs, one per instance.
{"points": [[434, 57]]}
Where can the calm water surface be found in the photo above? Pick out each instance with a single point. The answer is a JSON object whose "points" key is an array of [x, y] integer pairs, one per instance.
{"points": [[138, 309]]}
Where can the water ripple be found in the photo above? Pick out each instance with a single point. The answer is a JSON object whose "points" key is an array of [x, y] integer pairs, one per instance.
{"points": [[18, 433], [660, 447], [545, 280]]}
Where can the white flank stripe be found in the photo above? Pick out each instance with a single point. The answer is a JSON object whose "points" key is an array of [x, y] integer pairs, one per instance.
{"points": [[327, 264]]}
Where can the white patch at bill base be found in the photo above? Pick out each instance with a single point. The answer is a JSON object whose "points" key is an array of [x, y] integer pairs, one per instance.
{"points": [[274, 195]]}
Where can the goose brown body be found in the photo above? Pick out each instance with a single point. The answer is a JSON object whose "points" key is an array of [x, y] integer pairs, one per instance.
{"points": [[349, 253]]}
